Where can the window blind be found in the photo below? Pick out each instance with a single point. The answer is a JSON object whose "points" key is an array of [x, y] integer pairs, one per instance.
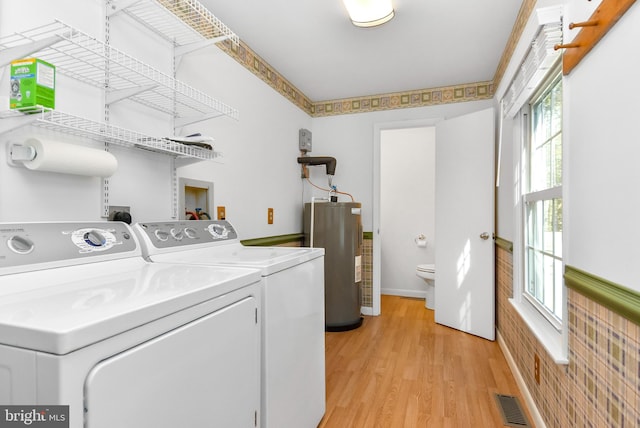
{"points": [[539, 59]]}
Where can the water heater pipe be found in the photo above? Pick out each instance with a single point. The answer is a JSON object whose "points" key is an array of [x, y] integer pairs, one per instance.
{"points": [[313, 211], [327, 161]]}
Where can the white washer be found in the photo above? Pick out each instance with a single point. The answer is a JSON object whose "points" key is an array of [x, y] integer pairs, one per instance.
{"points": [[86, 322], [293, 359]]}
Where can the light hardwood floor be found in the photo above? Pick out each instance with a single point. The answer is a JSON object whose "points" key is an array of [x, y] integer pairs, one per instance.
{"points": [[402, 370]]}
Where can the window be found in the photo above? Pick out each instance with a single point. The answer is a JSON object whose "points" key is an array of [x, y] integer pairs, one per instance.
{"points": [[543, 286]]}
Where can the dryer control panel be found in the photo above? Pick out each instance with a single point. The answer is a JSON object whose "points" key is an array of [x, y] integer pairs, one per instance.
{"points": [[64, 243], [182, 233]]}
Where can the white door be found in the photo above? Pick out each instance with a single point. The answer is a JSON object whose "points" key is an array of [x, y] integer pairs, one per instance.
{"points": [[465, 292]]}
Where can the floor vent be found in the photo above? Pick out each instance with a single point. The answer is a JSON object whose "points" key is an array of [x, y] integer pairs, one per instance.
{"points": [[512, 413]]}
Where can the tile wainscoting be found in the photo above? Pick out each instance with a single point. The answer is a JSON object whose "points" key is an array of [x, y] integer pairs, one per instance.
{"points": [[367, 270], [600, 385]]}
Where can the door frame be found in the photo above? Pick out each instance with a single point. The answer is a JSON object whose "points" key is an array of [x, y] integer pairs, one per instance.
{"points": [[377, 244]]}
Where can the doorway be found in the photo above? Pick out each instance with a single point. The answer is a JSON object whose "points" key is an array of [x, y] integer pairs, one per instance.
{"points": [[407, 208], [403, 126], [464, 292]]}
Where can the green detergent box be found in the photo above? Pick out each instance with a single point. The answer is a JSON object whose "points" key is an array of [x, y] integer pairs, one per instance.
{"points": [[33, 84]]}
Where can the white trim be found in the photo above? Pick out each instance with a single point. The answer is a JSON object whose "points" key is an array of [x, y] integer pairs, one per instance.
{"points": [[522, 385], [546, 194], [500, 129], [404, 293], [538, 306], [366, 310], [551, 339], [555, 342]]}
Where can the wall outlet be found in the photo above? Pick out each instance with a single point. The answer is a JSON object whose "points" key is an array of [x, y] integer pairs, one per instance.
{"points": [[536, 368], [270, 216], [222, 213]]}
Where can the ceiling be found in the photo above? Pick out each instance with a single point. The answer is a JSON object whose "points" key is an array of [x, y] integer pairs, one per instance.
{"points": [[428, 44]]}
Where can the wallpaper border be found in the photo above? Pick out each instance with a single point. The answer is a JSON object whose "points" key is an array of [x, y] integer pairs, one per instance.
{"points": [[244, 55]]}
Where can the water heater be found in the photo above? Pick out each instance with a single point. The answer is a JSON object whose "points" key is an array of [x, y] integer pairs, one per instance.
{"points": [[337, 227]]}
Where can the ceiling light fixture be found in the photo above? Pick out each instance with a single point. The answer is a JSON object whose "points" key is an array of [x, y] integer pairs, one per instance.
{"points": [[369, 13]]}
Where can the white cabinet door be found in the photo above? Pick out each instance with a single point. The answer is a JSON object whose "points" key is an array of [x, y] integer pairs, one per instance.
{"points": [[465, 292], [203, 374]]}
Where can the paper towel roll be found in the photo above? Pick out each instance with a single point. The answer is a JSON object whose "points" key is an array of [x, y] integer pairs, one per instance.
{"points": [[65, 158]]}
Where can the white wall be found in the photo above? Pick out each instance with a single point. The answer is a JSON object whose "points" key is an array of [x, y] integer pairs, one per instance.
{"points": [[143, 179], [602, 171], [601, 151], [259, 168], [349, 138], [507, 170], [407, 193]]}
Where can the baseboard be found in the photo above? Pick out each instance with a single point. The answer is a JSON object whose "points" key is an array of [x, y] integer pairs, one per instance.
{"points": [[421, 294], [366, 310], [538, 422]]}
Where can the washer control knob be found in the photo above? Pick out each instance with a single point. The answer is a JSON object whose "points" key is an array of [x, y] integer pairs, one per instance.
{"points": [[218, 231], [190, 232], [178, 234], [20, 245], [162, 235], [94, 238]]}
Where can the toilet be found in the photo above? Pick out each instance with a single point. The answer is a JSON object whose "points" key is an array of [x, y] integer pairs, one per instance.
{"points": [[428, 273]]}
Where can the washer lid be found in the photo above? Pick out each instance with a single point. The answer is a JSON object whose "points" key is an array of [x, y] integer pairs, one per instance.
{"points": [[268, 259], [64, 309]]}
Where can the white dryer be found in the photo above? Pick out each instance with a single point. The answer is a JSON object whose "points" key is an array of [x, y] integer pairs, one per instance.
{"points": [[86, 322], [293, 351]]}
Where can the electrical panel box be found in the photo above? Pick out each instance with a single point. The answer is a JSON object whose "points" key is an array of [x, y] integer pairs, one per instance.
{"points": [[304, 140]]}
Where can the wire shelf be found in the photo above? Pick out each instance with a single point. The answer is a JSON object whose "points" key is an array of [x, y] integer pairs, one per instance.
{"points": [[180, 21], [80, 127], [86, 59]]}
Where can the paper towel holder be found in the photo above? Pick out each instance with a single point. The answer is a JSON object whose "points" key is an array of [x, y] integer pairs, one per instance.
{"points": [[18, 153], [59, 157]]}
